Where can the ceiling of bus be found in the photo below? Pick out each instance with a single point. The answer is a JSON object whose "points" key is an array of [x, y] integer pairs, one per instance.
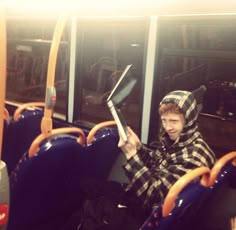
{"points": [[117, 8]]}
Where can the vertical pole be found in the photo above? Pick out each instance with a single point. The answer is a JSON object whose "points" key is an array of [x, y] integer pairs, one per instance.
{"points": [[4, 181]]}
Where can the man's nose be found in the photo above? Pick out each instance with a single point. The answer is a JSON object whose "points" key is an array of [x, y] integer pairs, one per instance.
{"points": [[168, 126]]}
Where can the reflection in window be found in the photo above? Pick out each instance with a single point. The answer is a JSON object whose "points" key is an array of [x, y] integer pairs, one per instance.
{"points": [[216, 35], [197, 50], [218, 75], [28, 50], [105, 50]]}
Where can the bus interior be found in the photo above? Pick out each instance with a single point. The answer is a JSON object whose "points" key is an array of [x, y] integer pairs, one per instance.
{"points": [[47, 147]]}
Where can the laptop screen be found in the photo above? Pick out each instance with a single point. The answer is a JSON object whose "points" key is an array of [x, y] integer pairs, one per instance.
{"points": [[123, 87], [120, 92]]}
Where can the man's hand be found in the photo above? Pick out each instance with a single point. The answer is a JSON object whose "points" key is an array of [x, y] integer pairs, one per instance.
{"points": [[133, 144]]}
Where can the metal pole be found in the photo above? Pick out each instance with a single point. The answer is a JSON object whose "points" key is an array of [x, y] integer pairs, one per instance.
{"points": [[4, 181]]}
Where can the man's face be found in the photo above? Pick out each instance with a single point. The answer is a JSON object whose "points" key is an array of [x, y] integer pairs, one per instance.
{"points": [[173, 124]]}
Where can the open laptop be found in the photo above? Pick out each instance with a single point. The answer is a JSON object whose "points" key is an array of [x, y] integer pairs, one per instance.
{"points": [[120, 92]]}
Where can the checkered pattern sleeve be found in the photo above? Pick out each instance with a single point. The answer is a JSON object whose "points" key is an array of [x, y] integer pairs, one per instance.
{"points": [[152, 184], [147, 185]]}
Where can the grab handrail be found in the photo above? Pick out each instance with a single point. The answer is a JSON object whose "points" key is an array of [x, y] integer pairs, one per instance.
{"points": [[3, 69], [19, 110], [4, 180], [50, 97], [38, 140], [98, 126], [180, 184], [219, 165]]}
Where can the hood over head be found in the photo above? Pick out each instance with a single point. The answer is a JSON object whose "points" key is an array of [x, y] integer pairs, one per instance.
{"points": [[188, 106]]}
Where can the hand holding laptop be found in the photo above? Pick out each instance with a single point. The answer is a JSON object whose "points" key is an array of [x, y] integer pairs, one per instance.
{"points": [[132, 145]]}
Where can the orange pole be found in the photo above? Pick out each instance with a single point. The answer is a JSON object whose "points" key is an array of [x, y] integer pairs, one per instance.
{"points": [[3, 67], [50, 97], [4, 180]]}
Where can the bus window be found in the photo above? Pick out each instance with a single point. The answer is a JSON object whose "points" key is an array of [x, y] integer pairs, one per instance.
{"points": [[28, 48], [209, 33], [104, 50], [199, 51]]}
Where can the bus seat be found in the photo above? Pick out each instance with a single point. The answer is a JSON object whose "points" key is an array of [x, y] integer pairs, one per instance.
{"points": [[117, 172], [197, 205], [224, 169], [51, 176], [99, 73], [199, 94], [49, 180], [180, 81], [97, 131], [181, 203], [105, 85], [117, 159], [220, 206], [101, 151], [6, 115], [20, 132], [152, 222], [6, 120]]}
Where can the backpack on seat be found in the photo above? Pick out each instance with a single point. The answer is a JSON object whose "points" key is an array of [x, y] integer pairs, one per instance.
{"points": [[108, 207]]}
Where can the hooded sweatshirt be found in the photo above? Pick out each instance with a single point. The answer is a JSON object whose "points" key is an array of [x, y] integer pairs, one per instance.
{"points": [[152, 173]]}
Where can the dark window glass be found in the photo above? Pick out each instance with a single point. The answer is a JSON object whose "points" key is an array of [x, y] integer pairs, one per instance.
{"points": [[106, 47], [192, 33], [28, 47], [195, 51], [218, 75]]}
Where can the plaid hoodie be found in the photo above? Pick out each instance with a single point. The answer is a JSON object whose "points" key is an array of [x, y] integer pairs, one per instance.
{"points": [[152, 173]]}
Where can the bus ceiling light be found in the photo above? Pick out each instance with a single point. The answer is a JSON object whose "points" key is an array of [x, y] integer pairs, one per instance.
{"points": [[114, 8], [134, 45], [83, 8]]}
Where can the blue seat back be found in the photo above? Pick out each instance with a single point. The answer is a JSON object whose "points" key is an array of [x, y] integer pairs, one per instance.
{"points": [[220, 205], [19, 135], [187, 204], [197, 205], [101, 154], [226, 175], [50, 180], [50, 184]]}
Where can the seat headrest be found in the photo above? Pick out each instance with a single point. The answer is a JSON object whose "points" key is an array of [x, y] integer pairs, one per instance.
{"points": [[199, 93]]}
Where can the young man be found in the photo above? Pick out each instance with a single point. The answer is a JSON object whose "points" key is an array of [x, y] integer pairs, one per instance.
{"points": [[152, 173]]}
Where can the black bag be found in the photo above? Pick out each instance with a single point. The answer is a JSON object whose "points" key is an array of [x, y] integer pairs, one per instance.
{"points": [[107, 207]]}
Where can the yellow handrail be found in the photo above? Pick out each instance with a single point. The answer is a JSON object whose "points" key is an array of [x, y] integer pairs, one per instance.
{"points": [[50, 97], [219, 165], [180, 184], [3, 67], [98, 126], [4, 180], [19, 110], [34, 148]]}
